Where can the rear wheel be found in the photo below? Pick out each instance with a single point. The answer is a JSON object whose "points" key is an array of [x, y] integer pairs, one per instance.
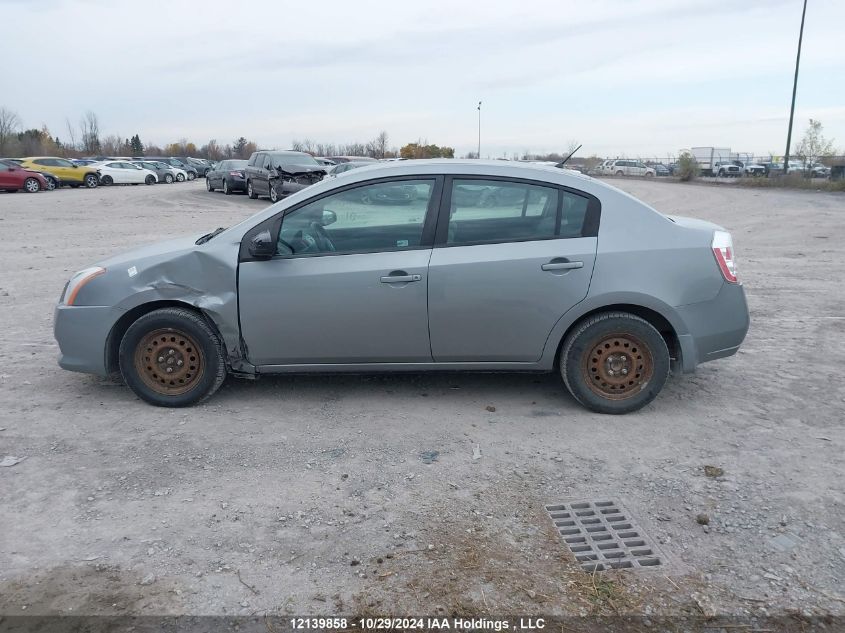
{"points": [[274, 195], [226, 189], [250, 191], [91, 181], [31, 185], [150, 180], [180, 177], [191, 175], [614, 362], [172, 358], [107, 180]]}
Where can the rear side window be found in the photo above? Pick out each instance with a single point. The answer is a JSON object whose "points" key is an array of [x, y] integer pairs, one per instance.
{"points": [[500, 211], [492, 211]]}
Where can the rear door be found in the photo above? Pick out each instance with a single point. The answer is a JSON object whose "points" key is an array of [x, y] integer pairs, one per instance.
{"points": [[348, 283], [510, 258]]}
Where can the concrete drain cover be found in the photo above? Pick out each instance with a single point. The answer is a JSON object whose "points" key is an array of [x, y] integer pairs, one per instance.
{"points": [[601, 535]]}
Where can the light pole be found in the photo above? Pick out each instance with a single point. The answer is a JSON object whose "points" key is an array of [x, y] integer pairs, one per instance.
{"points": [[794, 89], [478, 156]]}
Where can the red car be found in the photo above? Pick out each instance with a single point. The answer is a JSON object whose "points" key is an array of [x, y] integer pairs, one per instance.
{"points": [[14, 177]]}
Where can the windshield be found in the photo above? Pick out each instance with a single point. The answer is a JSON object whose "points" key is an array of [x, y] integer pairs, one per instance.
{"points": [[293, 158]]}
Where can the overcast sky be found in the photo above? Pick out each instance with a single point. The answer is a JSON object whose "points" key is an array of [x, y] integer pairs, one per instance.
{"points": [[625, 77]]}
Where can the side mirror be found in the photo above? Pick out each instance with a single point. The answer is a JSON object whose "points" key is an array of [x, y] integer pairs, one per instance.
{"points": [[329, 217], [262, 246]]}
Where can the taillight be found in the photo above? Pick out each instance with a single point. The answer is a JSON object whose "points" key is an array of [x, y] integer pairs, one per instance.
{"points": [[236, 173], [723, 250]]}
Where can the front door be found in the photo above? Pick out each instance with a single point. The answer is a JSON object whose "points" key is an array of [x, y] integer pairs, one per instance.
{"points": [[511, 260], [348, 283]]}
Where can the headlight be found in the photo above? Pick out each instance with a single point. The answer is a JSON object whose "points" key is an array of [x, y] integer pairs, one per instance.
{"points": [[78, 281]]}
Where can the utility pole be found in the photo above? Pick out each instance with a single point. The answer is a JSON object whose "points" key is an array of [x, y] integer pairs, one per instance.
{"points": [[794, 89], [479, 130]]}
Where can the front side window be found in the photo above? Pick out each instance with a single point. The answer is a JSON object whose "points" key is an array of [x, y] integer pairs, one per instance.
{"points": [[500, 211], [386, 216]]}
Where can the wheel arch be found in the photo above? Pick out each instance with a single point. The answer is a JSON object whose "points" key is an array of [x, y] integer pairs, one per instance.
{"points": [[657, 318], [120, 327]]}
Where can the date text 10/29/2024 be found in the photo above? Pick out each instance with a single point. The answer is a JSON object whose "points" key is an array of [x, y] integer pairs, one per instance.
{"points": [[417, 623]]}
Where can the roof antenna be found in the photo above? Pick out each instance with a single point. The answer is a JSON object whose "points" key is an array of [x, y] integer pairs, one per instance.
{"points": [[563, 162]]}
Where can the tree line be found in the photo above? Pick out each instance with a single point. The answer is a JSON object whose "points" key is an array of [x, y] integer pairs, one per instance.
{"points": [[86, 139]]}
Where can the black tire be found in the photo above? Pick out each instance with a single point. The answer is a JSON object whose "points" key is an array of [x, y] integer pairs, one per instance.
{"points": [[179, 330], [51, 183], [208, 186], [168, 178], [226, 189], [180, 178], [91, 181], [107, 180], [628, 377], [620, 173], [150, 180], [250, 191], [31, 185], [274, 195], [191, 175]]}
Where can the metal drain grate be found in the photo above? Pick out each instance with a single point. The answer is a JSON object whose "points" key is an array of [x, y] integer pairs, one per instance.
{"points": [[602, 536]]}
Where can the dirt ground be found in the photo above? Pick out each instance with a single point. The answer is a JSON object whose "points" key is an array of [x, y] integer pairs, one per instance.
{"points": [[309, 495]]}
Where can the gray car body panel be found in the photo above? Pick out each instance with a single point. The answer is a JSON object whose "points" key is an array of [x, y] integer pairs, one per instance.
{"points": [[640, 258]]}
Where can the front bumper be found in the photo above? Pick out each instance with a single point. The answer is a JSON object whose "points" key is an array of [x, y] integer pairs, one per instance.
{"points": [[716, 328], [81, 332]]}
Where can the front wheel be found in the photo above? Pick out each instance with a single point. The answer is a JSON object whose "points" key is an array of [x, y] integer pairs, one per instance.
{"points": [[51, 183], [191, 175], [250, 191], [180, 177], [107, 180], [226, 189], [620, 173], [31, 185], [91, 181], [172, 358], [274, 195], [614, 362], [150, 180]]}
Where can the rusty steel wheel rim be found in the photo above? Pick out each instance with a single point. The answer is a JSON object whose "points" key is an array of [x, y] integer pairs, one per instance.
{"points": [[169, 361], [618, 366]]}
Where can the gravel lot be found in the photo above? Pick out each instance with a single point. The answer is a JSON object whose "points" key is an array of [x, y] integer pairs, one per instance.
{"points": [[309, 494]]}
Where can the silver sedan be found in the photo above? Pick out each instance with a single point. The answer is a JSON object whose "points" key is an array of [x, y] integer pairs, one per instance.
{"points": [[417, 266]]}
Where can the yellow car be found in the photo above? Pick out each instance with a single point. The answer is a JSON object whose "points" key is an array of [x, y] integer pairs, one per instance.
{"points": [[69, 173]]}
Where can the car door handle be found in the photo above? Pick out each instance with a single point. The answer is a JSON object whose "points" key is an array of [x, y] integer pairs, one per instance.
{"points": [[400, 279], [553, 265]]}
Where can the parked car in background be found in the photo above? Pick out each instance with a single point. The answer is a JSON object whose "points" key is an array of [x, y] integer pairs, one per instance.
{"points": [[626, 167], [661, 170], [577, 273], [124, 173], [277, 174], [772, 168], [173, 162], [750, 169], [325, 162], [164, 173], [53, 182], [201, 166], [64, 170], [726, 169], [179, 174], [15, 177], [817, 170], [227, 175], [342, 168], [83, 161], [358, 159]]}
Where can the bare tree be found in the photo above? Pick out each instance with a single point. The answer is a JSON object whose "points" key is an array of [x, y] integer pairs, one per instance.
{"points": [[89, 125], [9, 125], [71, 134], [377, 148]]}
